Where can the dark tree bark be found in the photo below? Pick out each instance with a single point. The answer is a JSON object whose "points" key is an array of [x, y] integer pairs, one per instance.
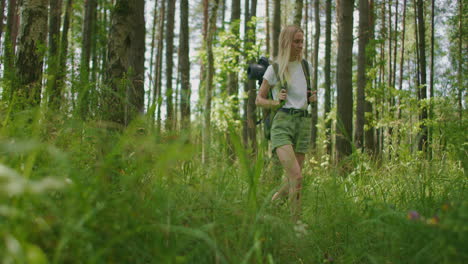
{"points": [[245, 133], [169, 64], [233, 77], [327, 72], [315, 73], [124, 97], [53, 60], [431, 94], [206, 132], [402, 55], [184, 62], [362, 68], [252, 93], [2, 15], [276, 26], [157, 93], [84, 90], [30, 55], [267, 26], [9, 47], [344, 78], [298, 12], [461, 87], [57, 89], [369, 134], [152, 85], [422, 89]]}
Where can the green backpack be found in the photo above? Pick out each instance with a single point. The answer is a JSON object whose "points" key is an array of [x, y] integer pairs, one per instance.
{"points": [[269, 114]]}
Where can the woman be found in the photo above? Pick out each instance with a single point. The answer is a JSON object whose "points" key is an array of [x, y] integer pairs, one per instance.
{"points": [[290, 132]]}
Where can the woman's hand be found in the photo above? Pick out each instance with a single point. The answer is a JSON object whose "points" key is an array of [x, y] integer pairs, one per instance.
{"points": [[313, 97], [282, 95]]}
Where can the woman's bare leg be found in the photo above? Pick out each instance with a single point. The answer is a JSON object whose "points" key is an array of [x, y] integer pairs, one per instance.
{"points": [[292, 166], [284, 189]]}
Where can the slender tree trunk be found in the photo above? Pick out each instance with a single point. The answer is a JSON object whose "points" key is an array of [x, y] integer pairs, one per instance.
{"points": [[369, 133], [2, 15], [151, 85], [362, 69], [62, 69], [431, 94], [402, 55], [184, 62], [157, 93], [233, 78], [169, 64], [422, 90], [9, 48], [460, 62], [84, 90], [252, 93], [276, 26], [344, 78], [298, 12], [53, 60], [124, 97], [315, 75], [327, 72], [267, 26], [30, 56], [245, 132], [306, 29], [206, 132]]}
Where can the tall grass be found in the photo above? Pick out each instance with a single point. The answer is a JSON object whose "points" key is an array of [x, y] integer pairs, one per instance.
{"points": [[74, 192]]}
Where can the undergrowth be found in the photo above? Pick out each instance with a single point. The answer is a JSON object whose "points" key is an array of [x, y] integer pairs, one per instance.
{"points": [[86, 192]]}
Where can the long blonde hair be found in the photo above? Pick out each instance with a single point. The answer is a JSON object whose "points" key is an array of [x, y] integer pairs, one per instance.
{"points": [[284, 53]]}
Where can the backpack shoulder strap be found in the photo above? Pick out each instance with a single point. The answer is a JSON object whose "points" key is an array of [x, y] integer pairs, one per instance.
{"points": [[305, 68], [276, 70]]}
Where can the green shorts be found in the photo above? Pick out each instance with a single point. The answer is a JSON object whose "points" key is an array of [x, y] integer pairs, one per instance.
{"points": [[291, 129]]}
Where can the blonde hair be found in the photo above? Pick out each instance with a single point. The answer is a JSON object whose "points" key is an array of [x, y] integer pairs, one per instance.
{"points": [[284, 53]]}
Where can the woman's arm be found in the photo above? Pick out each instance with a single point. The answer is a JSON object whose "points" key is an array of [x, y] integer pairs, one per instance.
{"points": [[262, 96]]}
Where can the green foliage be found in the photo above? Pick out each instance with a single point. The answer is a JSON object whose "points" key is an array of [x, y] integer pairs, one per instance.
{"points": [[72, 190]]}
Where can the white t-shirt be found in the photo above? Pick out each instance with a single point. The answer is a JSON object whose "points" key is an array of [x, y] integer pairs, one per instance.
{"points": [[297, 86]]}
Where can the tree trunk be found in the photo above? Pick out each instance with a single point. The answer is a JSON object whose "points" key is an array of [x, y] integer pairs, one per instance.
{"points": [[315, 74], [206, 132], [2, 14], [30, 55], [84, 90], [157, 94], [422, 89], [9, 48], [402, 55], [233, 78], [184, 62], [461, 87], [151, 85], [306, 30], [53, 60], [362, 69], [57, 90], [267, 26], [369, 134], [124, 97], [431, 94], [276, 26], [245, 132], [298, 12], [169, 64], [252, 93], [344, 78], [328, 11]]}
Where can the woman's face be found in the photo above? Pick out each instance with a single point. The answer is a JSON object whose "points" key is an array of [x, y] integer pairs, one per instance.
{"points": [[296, 46]]}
